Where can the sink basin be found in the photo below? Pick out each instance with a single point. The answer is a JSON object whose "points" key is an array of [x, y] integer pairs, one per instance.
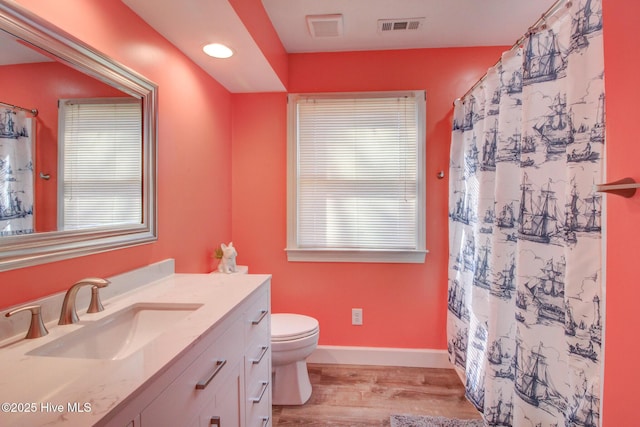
{"points": [[118, 335]]}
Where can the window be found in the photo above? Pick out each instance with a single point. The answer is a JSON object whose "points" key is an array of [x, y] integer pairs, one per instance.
{"points": [[356, 189], [100, 151]]}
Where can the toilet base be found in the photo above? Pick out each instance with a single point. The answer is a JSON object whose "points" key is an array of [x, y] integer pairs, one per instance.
{"points": [[291, 385]]}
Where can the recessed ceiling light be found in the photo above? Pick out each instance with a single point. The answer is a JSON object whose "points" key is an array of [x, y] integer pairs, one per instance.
{"points": [[218, 50]]}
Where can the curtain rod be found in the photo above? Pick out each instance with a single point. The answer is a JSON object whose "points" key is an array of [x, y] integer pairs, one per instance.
{"points": [[550, 12], [17, 107]]}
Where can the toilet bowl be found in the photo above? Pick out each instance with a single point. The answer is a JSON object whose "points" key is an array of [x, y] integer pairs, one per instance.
{"points": [[293, 338]]}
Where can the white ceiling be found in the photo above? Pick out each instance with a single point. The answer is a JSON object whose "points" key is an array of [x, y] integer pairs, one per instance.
{"points": [[14, 52], [448, 23], [190, 24]]}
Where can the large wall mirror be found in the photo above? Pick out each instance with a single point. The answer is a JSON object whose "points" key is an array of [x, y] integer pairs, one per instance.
{"points": [[77, 146]]}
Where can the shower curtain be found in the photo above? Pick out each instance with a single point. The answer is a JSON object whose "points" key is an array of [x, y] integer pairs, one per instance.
{"points": [[525, 259], [16, 173]]}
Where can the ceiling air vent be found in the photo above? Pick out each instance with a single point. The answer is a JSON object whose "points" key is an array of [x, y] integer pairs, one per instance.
{"points": [[325, 25], [385, 25]]}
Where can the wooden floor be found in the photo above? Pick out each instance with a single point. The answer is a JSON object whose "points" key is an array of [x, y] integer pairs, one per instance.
{"points": [[353, 395]]}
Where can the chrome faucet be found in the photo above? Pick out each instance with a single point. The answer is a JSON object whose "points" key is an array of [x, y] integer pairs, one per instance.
{"points": [[68, 315]]}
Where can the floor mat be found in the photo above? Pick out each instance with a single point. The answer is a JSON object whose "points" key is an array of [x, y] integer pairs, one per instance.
{"points": [[428, 421]]}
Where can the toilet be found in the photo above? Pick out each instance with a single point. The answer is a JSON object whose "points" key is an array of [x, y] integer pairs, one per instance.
{"points": [[293, 338]]}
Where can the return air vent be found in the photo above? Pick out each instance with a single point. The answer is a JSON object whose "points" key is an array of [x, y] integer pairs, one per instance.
{"points": [[385, 25], [321, 26]]}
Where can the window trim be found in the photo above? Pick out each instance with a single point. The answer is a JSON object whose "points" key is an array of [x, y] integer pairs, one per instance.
{"points": [[297, 254]]}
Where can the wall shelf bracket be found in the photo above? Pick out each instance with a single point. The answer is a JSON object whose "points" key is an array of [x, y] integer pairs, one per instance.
{"points": [[625, 187]]}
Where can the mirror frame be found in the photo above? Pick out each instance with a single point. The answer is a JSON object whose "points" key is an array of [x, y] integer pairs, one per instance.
{"points": [[39, 248]]}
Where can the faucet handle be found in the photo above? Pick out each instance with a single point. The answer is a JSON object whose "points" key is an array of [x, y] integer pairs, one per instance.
{"points": [[95, 305], [36, 328]]}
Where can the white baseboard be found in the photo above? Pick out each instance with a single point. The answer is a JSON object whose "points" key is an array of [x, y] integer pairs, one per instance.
{"points": [[346, 355]]}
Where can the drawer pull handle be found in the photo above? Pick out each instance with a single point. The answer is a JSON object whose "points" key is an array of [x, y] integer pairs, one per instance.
{"points": [[215, 421], [265, 421], [204, 383], [263, 351], [259, 319], [265, 386]]}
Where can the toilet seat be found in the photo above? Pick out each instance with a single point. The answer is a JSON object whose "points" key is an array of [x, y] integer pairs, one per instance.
{"points": [[289, 327]]}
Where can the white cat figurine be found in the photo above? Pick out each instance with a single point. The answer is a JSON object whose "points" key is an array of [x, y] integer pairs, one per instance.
{"points": [[228, 261]]}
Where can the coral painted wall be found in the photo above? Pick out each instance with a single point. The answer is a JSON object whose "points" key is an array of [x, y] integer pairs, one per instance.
{"points": [[194, 143], [404, 305], [621, 373], [40, 86]]}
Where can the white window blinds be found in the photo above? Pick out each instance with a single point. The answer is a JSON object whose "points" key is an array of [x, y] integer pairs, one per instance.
{"points": [[100, 159], [358, 172]]}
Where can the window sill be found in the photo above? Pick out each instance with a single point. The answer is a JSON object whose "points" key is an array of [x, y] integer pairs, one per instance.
{"points": [[333, 255]]}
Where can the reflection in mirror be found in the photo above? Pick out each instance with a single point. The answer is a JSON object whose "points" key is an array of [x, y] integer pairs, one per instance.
{"points": [[99, 168], [77, 146]]}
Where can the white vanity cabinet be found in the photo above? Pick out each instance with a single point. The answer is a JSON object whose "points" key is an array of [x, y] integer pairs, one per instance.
{"points": [[228, 384], [209, 365]]}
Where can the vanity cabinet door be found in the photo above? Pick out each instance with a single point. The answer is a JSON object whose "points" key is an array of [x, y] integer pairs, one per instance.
{"points": [[134, 422], [200, 384], [225, 409]]}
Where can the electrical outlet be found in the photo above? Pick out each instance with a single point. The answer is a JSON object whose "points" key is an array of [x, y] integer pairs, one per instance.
{"points": [[356, 316]]}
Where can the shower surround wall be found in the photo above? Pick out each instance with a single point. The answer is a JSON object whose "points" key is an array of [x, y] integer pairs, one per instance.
{"points": [[621, 373]]}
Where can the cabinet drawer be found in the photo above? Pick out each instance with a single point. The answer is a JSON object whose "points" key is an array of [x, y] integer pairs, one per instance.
{"points": [[260, 418], [258, 403], [258, 320], [257, 361], [258, 387], [197, 385]]}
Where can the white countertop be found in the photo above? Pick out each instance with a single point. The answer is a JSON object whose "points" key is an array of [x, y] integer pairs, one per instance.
{"points": [[49, 386]]}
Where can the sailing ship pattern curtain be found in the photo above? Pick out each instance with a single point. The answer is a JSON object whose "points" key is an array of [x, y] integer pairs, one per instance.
{"points": [[16, 173], [525, 262]]}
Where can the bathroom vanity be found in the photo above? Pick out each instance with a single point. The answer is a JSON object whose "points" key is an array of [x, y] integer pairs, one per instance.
{"points": [[195, 352]]}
